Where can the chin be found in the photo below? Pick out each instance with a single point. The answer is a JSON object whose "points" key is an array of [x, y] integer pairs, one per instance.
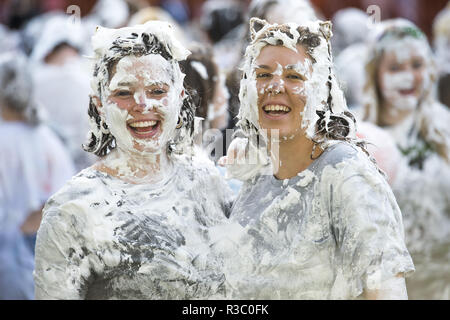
{"points": [[148, 147]]}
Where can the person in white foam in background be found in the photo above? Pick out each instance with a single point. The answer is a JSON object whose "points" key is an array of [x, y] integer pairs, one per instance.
{"points": [[60, 76], [33, 165], [400, 97], [135, 225], [319, 221], [350, 26], [441, 46], [204, 76]]}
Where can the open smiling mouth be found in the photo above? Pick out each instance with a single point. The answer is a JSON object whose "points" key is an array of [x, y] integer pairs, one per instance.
{"points": [[407, 91], [144, 129], [276, 110]]}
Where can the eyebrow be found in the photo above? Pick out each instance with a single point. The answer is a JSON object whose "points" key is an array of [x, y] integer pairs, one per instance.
{"points": [[124, 84], [156, 83], [262, 66], [291, 66]]}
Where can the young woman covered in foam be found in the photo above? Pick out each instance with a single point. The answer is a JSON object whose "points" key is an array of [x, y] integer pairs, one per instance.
{"points": [[136, 224], [400, 94], [316, 220]]}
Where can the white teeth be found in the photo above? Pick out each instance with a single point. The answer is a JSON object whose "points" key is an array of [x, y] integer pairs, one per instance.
{"points": [[143, 124], [276, 107]]}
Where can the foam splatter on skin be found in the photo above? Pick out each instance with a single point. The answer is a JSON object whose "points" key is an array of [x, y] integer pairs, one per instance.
{"points": [[127, 236], [404, 50], [168, 107], [396, 82]]}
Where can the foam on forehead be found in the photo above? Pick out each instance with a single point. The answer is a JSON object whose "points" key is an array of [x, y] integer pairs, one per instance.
{"points": [[103, 39], [395, 33], [157, 70]]}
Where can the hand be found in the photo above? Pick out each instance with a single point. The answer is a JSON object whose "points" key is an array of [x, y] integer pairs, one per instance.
{"points": [[236, 153]]}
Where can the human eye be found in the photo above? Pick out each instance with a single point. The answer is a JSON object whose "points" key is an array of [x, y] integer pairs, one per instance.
{"points": [[417, 64], [122, 93], [394, 68], [262, 75], [158, 91], [295, 76]]}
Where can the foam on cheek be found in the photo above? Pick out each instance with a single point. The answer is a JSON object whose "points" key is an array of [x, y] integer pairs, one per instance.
{"points": [[159, 71], [300, 91], [398, 80], [116, 119]]}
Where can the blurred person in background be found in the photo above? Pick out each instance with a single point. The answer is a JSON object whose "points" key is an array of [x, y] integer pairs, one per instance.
{"points": [[350, 29], [9, 39], [177, 9], [441, 43], [106, 13], [33, 165], [350, 26], [203, 75], [211, 100], [61, 81], [400, 97], [223, 24], [152, 13]]}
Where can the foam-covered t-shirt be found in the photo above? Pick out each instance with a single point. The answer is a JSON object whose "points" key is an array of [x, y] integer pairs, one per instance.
{"points": [[329, 233]]}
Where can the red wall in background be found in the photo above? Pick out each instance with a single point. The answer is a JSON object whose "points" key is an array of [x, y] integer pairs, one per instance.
{"points": [[421, 12]]}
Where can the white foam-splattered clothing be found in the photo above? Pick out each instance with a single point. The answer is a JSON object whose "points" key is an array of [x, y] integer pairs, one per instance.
{"points": [[103, 238], [424, 198], [328, 233]]}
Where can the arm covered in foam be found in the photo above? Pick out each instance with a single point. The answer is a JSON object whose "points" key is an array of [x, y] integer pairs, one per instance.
{"points": [[62, 267], [367, 225]]}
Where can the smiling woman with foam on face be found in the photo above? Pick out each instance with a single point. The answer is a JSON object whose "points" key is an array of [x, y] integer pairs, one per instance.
{"points": [[400, 93], [316, 220], [136, 224]]}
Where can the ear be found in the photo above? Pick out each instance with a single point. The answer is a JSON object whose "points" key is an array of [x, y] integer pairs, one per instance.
{"points": [[98, 103], [325, 29], [256, 25], [182, 94]]}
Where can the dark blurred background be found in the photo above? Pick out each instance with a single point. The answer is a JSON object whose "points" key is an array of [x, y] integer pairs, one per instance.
{"points": [[422, 12]]}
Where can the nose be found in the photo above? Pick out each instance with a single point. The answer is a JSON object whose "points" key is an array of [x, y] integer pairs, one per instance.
{"points": [[276, 86], [139, 98]]}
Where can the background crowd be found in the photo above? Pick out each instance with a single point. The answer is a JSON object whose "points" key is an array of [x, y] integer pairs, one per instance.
{"points": [[45, 75]]}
